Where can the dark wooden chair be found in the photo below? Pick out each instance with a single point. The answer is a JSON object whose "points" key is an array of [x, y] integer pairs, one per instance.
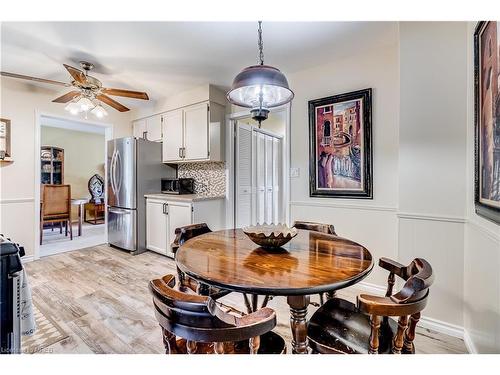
{"points": [[323, 228], [340, 326], [183, 234], [317, 227], [192, 323], [55, 207]]}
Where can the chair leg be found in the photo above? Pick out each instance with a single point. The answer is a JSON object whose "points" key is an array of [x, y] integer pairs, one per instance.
{"points": [[219, 347], [191, 347], [398, 340], [70, 230], [408, 347], [60, 227], [254, 344], [374, 342], [66, 228]]}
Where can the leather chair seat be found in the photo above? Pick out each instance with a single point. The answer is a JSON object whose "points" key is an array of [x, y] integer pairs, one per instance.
{"points": [[339, 327]]}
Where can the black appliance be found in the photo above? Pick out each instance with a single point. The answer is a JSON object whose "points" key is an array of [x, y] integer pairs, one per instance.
{"points": [[10, 290], [177, 185]]}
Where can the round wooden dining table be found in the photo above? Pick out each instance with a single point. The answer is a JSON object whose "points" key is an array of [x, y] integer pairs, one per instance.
{"points": [[312, 262]]}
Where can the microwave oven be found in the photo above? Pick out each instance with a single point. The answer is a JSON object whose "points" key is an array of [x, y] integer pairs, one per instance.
{"points": [[177, 185]]}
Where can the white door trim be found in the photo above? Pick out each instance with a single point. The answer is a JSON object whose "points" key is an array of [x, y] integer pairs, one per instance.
{"points": [[108, 135], [230, 162]]}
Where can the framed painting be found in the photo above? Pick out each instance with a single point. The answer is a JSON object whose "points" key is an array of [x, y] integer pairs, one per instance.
{"points": [[487, 119], [340, 146]]}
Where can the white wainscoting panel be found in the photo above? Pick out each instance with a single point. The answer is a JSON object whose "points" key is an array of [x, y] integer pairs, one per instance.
{"points": [[441, 244], [482, 289]]}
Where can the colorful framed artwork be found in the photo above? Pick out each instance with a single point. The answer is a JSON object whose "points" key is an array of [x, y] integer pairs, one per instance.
{"points": [[487, 119], [340, 146]]}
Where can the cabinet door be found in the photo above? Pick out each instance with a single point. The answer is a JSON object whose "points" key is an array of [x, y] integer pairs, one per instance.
{"points": [[172, 136], [196, 132], [153, 128], [156, 226], [139, 128], [179, 215]]}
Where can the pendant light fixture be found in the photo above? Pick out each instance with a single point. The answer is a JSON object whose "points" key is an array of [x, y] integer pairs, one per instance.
{"points": [[260, 87]]}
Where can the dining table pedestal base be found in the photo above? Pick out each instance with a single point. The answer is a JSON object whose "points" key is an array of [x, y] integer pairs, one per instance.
{"points": [[298, 323]]}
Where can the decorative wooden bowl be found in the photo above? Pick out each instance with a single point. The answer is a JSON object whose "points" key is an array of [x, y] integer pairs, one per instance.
{"points": [[270, 236]]}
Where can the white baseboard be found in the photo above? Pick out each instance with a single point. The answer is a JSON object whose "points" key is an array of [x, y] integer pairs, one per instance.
{"points": [[427, 322], [469, 344], [27, 259]]}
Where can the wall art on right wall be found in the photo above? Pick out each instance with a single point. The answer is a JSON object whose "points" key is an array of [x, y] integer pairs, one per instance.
{"points": [[487, 119]]}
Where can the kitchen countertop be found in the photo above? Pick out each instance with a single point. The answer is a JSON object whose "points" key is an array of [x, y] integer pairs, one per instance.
{"points": [[184, 197]]}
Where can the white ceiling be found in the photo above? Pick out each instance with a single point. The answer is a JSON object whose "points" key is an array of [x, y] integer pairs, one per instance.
{"points": [[163, 58]]}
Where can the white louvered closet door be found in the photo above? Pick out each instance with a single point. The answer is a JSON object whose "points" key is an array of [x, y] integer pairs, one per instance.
{"points": [[259, 177], [259, 159], [278, 207], [269, 174], [243, 176]]}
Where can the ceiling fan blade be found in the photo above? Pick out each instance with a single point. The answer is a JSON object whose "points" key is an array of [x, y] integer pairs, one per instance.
{"points": [[67, 97], [29, 78], [126, 93], [77, 74], [112, 103]]}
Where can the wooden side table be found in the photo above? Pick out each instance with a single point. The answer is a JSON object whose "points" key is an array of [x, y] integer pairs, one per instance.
{"points": [[98, 210]]}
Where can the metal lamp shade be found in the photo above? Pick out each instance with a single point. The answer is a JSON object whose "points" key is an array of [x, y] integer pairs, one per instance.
{"points": [[254, 80]]}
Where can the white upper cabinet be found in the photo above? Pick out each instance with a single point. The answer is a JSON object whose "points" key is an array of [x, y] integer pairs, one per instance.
{"points": [[172, 136], [139, 128], [153, 128], [194, 133], [148, 128]]}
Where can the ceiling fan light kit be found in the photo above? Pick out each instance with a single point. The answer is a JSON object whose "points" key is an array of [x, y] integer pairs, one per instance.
{"points": [[260, 87], [88, 93]]}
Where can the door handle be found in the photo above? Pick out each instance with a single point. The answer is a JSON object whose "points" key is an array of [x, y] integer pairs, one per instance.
{"points": [[112, 172], [119, 185], [145, 135], [118, 211], [180, 152], [165, 208]]}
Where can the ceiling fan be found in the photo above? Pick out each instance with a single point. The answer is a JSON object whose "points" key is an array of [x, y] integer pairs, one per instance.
{"points": [[88, 92]]}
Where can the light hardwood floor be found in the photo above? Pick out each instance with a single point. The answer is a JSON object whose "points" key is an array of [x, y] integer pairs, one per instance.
{"points": [[99, 296]]}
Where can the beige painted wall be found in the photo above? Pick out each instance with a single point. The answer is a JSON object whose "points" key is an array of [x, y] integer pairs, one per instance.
{"points": [[19, 102], [423, 194], [373, 223], [482, 247], [83, 157]]}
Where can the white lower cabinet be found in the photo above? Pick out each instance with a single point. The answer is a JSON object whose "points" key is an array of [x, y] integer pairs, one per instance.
{"points": [[156, 224], [163, 216]]}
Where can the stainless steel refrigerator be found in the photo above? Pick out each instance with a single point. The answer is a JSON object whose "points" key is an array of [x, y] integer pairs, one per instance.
{"points": [[134, 169]]}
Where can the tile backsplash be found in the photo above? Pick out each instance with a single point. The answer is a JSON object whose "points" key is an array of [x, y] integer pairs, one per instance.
{"points": [[209, 177]]}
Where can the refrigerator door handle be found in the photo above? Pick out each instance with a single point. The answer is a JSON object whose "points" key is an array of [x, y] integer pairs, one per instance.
{"points": [[119, 184], [119, 211], [112, 172]]}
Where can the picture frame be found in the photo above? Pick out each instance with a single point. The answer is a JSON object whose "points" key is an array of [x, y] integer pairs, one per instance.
{"points": [[5, 145], [340, 146], [487, 120]]}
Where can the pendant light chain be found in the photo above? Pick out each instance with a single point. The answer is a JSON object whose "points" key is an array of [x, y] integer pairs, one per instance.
{"points": [[261, 44]]}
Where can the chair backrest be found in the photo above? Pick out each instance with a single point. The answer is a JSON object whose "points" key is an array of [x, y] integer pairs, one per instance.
{"points": [[407, 304], [187, 232], [200, 319], [317, 227], [56, 200]]}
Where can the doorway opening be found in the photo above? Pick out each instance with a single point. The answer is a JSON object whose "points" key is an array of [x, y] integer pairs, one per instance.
{"points": [[260, 160], [70, 184]]}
